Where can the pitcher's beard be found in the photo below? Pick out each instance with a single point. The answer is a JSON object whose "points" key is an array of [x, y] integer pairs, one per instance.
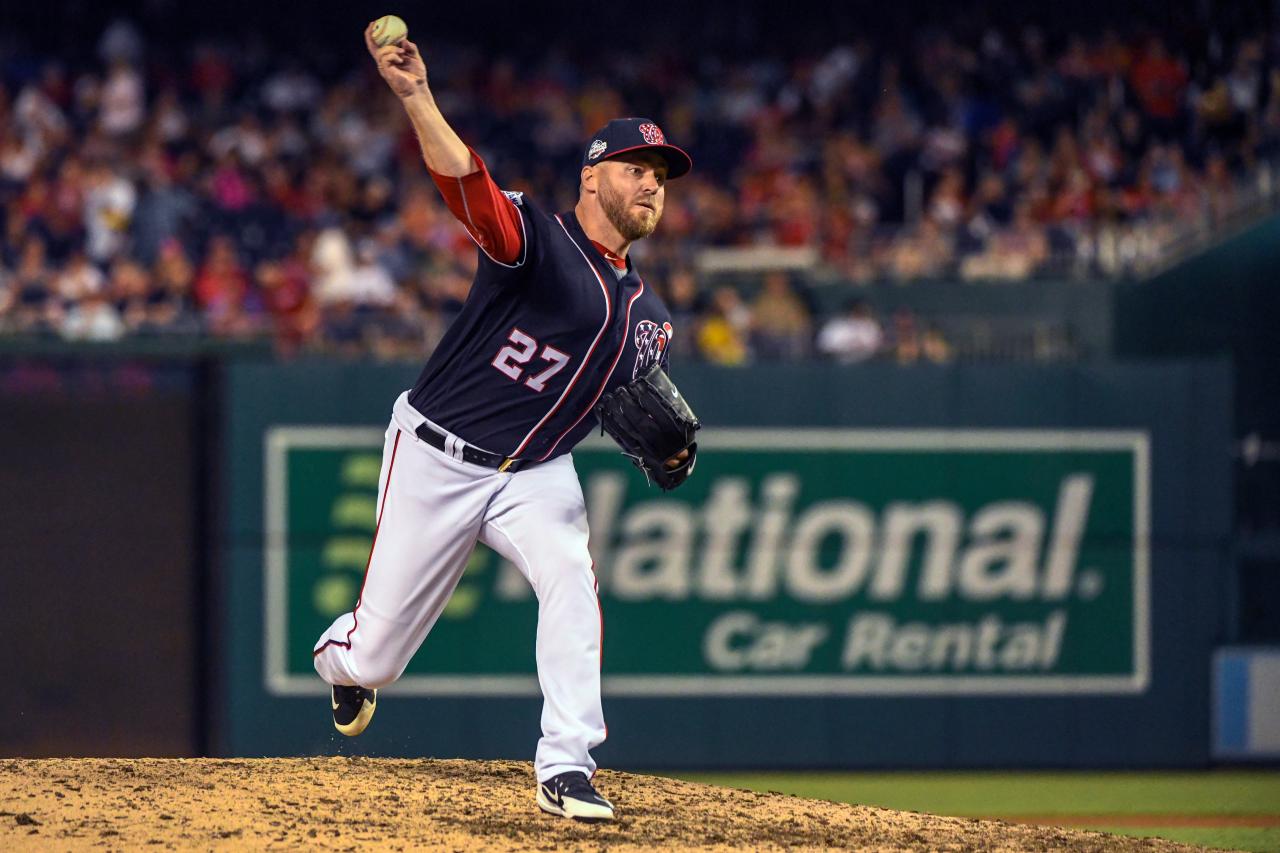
{"points": [[632, 226]]}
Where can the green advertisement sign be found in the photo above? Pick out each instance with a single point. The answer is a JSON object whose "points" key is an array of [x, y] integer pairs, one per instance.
{"points": [[795, 562]]}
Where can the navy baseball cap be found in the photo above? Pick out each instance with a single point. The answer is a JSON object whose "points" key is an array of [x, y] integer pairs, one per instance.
{"points": [[635, 134]]}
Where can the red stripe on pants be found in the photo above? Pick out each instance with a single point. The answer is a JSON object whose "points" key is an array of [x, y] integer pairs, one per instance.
{"points": [[386, 490]]}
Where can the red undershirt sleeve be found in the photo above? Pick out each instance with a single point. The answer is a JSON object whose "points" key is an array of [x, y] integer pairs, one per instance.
{"points": [[489, 216]]}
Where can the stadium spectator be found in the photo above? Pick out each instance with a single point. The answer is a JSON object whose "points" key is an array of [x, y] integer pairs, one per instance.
{"points": [[934, 346], [781, 327], [904, 339], [723, 333], [172, 309], [166, 210], [19, 156], [1011, 253], [910, 343], [1160, 82], [109, 201], [35, 310], [286, 291], [684, 303], [222, 290], [122, 106], [852, 337], [925, 251], [92, 318], [130, 292], [77, 279], [6, 300]]}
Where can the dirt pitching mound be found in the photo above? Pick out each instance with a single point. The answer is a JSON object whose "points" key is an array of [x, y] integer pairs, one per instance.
{"points": [[349, 803]]}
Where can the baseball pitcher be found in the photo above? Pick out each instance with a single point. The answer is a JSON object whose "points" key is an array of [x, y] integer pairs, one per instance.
{"points": [[558, 335]]}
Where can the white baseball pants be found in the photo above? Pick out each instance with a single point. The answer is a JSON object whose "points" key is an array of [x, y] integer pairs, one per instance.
{"points": [[433, 508]]}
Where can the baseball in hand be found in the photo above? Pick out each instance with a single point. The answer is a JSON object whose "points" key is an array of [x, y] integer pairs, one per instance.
{"points": [[389, 29]]}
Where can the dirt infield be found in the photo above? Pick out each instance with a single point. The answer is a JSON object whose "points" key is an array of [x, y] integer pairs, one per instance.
{"points": [[348, 803]]}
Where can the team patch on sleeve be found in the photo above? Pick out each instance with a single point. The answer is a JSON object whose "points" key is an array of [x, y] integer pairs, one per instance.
{"points": [[517, 198], [651, 342]]}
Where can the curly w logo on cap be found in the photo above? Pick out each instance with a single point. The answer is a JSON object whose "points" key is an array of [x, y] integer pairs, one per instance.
{"points": [[652, 134]]}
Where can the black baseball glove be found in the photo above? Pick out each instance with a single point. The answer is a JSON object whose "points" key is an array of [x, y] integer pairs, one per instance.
{"points": [[652, 423]]}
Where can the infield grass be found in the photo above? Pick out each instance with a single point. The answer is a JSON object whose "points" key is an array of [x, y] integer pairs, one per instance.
{"points": [[1206, 808]]}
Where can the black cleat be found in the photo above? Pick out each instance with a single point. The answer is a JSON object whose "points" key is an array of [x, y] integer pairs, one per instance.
{"points": [[353, 708], [572, 795]]}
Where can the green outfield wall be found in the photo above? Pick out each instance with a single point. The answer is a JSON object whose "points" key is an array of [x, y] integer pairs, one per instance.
{"points": [[935, 566]]}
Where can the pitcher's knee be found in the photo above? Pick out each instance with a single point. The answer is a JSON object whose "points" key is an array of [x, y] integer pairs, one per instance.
{"points": [[374, 672], [566, 579]]}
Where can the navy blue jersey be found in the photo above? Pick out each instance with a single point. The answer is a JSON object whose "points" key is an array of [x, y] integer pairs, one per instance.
{"points": [[539, 341]]}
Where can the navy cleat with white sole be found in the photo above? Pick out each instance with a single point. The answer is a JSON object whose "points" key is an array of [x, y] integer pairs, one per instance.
{"points": [[572, 795], [353, 708]]}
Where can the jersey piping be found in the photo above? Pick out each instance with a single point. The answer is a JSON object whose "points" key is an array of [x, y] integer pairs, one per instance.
{"points": [[608, 316], [472, 231], [626, 325]]}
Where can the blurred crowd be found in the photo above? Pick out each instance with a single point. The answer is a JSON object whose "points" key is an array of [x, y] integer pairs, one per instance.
{"points": [[243, 195]]}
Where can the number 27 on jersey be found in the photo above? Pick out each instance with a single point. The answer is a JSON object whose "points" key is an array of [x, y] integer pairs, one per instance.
{"points": [[511, 360]]}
